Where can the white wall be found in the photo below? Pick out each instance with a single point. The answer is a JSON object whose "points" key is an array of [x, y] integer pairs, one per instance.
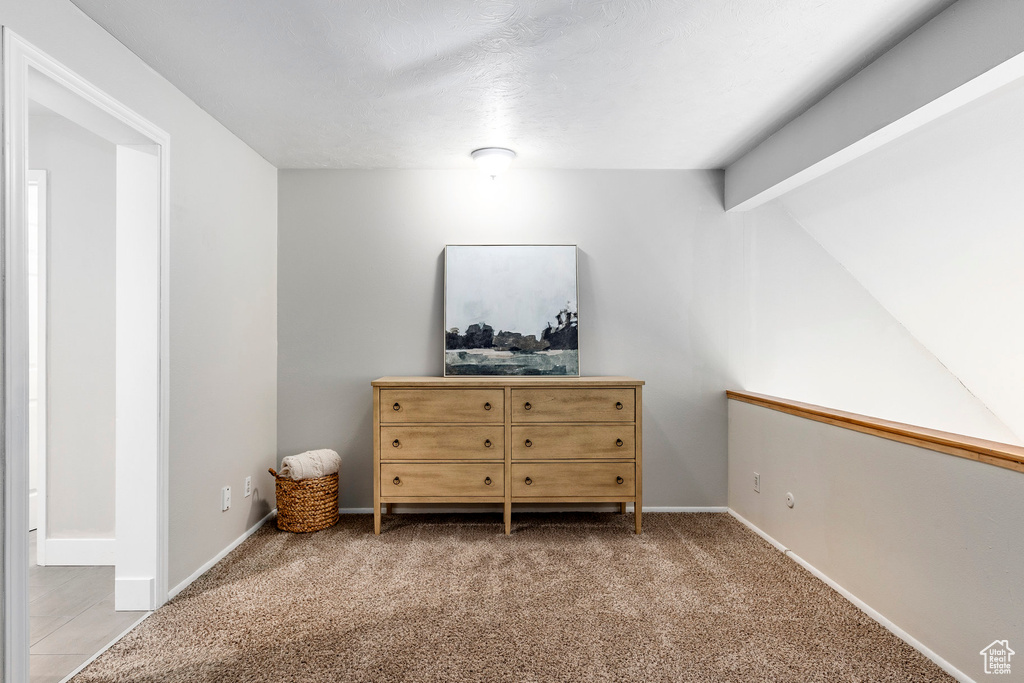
{"points": [[807, 330], [80, 326], [929, 540], [361, 277], [931, 226], [223, 287]]}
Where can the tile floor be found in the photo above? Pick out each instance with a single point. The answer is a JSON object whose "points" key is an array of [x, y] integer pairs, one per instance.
{"points": [[71, 616]]}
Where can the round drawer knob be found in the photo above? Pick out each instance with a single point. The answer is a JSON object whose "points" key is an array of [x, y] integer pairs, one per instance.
{"points": [[487, 443], [487, 406], [487, 481], [618, 480], [395, 443], [396, 407], [527, 406], [528, 443], [618, 442], [397, 481], [618, 405], [529, 481]]}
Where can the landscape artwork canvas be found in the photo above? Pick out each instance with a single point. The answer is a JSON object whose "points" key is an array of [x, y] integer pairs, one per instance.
{"points": [[511, 310]]}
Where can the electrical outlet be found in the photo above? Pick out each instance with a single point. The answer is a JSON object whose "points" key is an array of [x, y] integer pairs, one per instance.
{"points": [[248, 486], [225, 498], [757, 483]]}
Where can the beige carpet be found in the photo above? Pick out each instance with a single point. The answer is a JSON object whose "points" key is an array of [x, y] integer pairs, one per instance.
{"points": [[568, 597]]}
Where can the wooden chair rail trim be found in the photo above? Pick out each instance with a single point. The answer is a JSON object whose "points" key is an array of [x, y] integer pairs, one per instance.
{"points": [[989, 452]]}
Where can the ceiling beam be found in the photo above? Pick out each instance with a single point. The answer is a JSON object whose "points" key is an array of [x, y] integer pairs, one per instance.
{"points": [[967, 51]]}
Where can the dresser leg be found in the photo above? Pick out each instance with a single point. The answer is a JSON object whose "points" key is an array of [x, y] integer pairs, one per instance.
{"points": [[636, 513], [508, 518], [622, 508], [376, 519], [387, 508]]}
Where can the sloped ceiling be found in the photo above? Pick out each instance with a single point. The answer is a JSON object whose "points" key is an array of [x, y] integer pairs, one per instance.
{"points": [[807, 329], [931, 226], [583, 84]]}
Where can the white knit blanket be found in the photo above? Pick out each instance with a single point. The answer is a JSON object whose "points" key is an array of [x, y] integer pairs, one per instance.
{"points": [[311, 464]]}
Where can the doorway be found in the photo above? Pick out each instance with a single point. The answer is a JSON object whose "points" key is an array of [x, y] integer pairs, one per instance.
{"points": [[140, 337]]}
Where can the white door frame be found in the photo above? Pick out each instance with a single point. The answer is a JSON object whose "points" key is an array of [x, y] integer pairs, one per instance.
{"points": [[39, 179], [141, 439]]}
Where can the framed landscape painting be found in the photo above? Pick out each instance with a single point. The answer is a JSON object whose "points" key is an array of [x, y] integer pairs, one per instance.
{"points": [[510, 310]]}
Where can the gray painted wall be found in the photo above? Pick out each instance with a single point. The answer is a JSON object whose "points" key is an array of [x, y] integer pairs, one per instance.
{"points": [[360, 296], [80, 370], [929, 540], [223, 287]]}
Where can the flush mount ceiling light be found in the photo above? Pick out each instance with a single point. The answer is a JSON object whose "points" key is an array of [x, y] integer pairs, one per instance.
{"points": [[493, 160]]}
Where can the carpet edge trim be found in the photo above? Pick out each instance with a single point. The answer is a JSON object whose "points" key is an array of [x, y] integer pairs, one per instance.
{"points": [[859, 604], [106, 647], [219, 556]]}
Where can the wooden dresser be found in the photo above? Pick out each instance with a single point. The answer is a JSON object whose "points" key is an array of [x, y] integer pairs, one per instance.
{"points": [[507, 440]]}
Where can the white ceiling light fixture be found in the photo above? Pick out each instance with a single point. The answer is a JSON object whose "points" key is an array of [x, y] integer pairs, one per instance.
{"points": [[493, 160]]}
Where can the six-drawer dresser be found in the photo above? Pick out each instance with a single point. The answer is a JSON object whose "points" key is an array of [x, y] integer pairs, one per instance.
{"points": [[507, 440]]}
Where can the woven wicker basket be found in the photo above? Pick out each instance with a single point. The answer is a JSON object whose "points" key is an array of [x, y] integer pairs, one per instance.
{"points": [[308, 504]]}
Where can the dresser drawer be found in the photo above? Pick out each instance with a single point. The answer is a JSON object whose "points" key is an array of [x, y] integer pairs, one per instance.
{"points": [[572, 405], [442, 442], [571, 441], [568, 479], [442, 479], [442, 405]]}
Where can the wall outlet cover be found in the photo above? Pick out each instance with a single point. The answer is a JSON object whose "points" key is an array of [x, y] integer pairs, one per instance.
{"points": [[248, 486], [225, 498], [757, 483]]}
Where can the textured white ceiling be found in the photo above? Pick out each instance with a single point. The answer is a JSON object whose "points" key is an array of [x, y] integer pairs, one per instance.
{"points": [[566, 83]]}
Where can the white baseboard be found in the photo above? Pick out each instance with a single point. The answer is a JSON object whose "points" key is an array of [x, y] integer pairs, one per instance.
{"points": [[860, 604], [670, 508], [221, 555], [134, 594], [80, 552], [778, 546], [369, 510]]}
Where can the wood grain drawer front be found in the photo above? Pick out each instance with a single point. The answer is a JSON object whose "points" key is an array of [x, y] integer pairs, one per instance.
{"points": [[572, 405], [555, 479], [442, 479], [554, 442], [444, 442], [442, 405]]}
